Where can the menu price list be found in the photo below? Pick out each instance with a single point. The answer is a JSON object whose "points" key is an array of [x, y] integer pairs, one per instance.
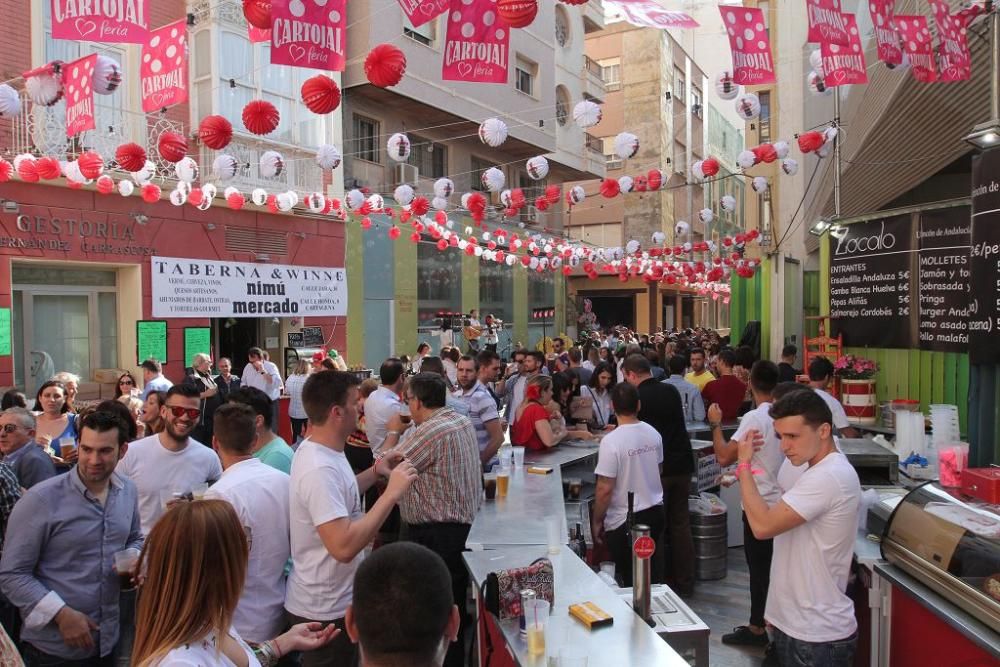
{"points": [[870, 282], [943, 274], [984, 282]]}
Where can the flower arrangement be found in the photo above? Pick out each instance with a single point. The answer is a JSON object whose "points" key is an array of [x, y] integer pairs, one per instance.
{"points": [[850, 367]]}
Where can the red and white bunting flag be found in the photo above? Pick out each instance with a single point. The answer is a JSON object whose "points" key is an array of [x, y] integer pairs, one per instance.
{"points": [[164, 69], [826, 24], [889, 50], [648, 14], [953, 49], [118, 22], [750, 45], [917, 45], [78, 82], [421, 11], [844, 65]]}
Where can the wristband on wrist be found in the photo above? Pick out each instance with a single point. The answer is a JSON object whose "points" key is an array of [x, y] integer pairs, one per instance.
{"points": [[746, 466]]}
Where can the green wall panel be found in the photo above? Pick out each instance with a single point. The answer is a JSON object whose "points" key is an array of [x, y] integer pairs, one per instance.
{"points": [[354, 264]]}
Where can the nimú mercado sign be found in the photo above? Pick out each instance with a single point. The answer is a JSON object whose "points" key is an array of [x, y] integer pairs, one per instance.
{"points": [[209, 288]]}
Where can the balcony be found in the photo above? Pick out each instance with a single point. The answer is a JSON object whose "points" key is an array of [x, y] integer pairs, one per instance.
{"points": [[593, 16], [594, 144], [593, 80]]}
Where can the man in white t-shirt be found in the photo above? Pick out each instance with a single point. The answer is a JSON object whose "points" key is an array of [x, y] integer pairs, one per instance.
{"points": [[767, 462], [629, 460], [814, 526], [329, 531], [820, 376], [384, 403], [170, 463], [262, 374]]}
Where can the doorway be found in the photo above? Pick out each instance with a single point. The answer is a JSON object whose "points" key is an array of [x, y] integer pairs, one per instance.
{"points": [[614, 310], [234, 337]]}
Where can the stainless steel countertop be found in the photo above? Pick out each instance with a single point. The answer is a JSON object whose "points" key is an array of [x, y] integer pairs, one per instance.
{"points": [[563, 454], [629, 641], [868, 552], [520, 518]]}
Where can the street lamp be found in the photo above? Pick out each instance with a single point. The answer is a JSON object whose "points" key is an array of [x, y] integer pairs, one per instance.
{"points": [[987, 135], [820, 228]]}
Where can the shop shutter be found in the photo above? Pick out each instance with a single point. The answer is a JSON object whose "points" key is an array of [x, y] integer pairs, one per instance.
{"points": [[257, 241]]}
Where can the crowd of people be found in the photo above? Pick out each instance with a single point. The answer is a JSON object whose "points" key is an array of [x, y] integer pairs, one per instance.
{"points": [[344, 546]]}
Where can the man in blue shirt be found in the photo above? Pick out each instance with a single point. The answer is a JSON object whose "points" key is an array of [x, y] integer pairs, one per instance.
{"points": [[152, 378], [18, 448], [694, 406], [58, 559]]}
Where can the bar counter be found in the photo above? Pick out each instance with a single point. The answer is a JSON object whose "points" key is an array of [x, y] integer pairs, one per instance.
{"points": [[520, 518]]}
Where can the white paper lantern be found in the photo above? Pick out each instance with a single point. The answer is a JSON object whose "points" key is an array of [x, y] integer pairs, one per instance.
{"points": [[781, 149], [145, 174], [506, 198], [682, 228], [208, 191], [439, 203], [204, 204], [398, 147], [376, 203], [272, 164], [626, 145], [259, 196], [728, 203], [284, 202], [328, 157], [107, 75], [632, 247], [577, 194], [403, 195], [789, 166], [510, 260], [538, 168], [10, 101], [816, 86], [697, 173], [725, 86], [493, 179], [587, 113], [747, 106], [224, 167], [659, 238], [71, 170], [493, 132], [184, 187], [759, 184], [816, 61], [465, 200], [830, 133], [706, 215], [746, 159], [178, 198], [125, 188], [187, 170], [354, 199], [625, 184], [315, 202], [44, 89], [443, 187], [825, 150]]}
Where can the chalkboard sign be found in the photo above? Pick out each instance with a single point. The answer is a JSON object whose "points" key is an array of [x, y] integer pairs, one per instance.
{"points": [[295, 339], [870, 282], [313, 337], [984, 292], [151, 338], [942, 298]]}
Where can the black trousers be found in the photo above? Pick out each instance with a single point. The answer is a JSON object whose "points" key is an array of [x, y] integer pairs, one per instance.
{"points": [[758, 554], [35, 658], [298, 425], [677, 536], [361, 459], [341, 652], [619, 543], [448, 541]]}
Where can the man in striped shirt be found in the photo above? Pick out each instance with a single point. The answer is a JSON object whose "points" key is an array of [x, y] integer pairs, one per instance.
{"points": [[438, 509], [482, 409]]}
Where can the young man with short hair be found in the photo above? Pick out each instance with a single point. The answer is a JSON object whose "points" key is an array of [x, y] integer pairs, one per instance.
{"points": [[328, 528], [727, 391], [269, 447], [171, 461], [383, 404], [263, 374], [630, 459], [403, 613], [694, 405], [481, 407], [699, 375], [786, 369], [814, 526], [820, 377]]}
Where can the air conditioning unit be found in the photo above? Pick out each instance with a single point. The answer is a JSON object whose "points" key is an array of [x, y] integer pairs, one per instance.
{"points": [[405, 174]]}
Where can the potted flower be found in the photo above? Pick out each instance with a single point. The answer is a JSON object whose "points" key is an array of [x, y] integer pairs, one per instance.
{"points": [[857, 381]]}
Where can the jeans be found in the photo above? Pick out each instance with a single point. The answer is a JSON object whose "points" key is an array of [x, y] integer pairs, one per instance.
{"points": [[758, 554], [797, 653], [680, 568], [619, 543], [35, 658], [341, 652]]}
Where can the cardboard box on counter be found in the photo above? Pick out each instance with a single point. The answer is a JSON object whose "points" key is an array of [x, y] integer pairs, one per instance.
{"points": [[107, 375]]}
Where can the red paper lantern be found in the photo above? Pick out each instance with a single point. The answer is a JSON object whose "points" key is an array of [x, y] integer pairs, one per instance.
{"points": [[385, 65], [272, 203], [710, 167], [195, 197], [541, 203], [610, 188], [567, 269], [260, 117], [131, 157], [236, 201], [442, 245], [419, 206], [91, 164], [517, 13], [810, 142], [552, 194], [215, 132], [415, 237], [320, 94], [517, 198], [172, 146], [74, 185], [476, 204], [258, 13], [28, 171], [47, 168], [151, 193], [105, 184], [765, 153], [6, 170], [441, 217], [366, 223], [654, 179], [574, 2], [394, 232]]}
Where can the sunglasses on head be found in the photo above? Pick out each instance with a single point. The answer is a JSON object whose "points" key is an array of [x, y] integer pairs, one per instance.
{"points": [[178, 411]]}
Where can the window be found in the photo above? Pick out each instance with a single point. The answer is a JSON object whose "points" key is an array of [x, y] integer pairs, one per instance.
{"points": [[524, 76], [365, 141], [425, 34], [679, 87], [478, 166], [562, 27], [429, 158], [765, 9], [562, 105], [696, 106], [439, 282], [611, 159], [611, 72], [765, 117], [764, 211]]}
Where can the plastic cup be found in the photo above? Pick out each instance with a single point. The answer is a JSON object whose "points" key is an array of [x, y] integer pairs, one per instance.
{"points": [[553, 532], [536, 617], [66, 447], [404, 415], [506, 456], [490, 485], [198, 491], [503, 482], [575, 487], [125, 562], [518, 457]]}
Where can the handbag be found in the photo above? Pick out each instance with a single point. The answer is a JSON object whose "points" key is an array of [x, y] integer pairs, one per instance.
{"points": [[501, 592]]}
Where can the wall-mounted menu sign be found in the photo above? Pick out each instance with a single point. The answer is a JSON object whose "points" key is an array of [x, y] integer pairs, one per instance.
{"points": [[5, 345], [870, 276], [942, 298], [151, 339], [984, 265], [307, 337]]}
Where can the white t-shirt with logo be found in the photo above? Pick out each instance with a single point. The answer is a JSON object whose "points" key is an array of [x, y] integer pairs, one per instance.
{"points": [[323, 489], [811, 562], [631, 455], [768, 458]]}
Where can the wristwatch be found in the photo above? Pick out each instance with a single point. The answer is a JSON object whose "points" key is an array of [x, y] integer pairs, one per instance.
{"points": [[715, 425]]}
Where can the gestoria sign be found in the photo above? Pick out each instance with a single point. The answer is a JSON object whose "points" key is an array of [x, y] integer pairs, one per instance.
{"points": [[208, 288]]}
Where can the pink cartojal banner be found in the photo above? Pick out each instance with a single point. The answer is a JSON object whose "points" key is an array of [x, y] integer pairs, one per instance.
{"points": [[309, 33], [648, 14], [953, 49], [122, 21], [750, 45], [78, 82], [826, 24], [917, 46], [421, 11], [844, 65], [476, 48], [164, 68], [886, 37]]}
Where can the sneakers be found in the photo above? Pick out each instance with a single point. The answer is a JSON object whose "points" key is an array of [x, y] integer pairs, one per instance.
{"points": [[743, 636]]}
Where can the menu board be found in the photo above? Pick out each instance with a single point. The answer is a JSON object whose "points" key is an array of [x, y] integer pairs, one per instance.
{"points": [[943, 279], [197, 340], [151, 338], [870, 282], [984, 264], [5, 345]]}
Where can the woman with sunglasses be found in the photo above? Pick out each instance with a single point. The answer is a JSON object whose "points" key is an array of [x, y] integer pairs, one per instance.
{"points": [[54, 420]]}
